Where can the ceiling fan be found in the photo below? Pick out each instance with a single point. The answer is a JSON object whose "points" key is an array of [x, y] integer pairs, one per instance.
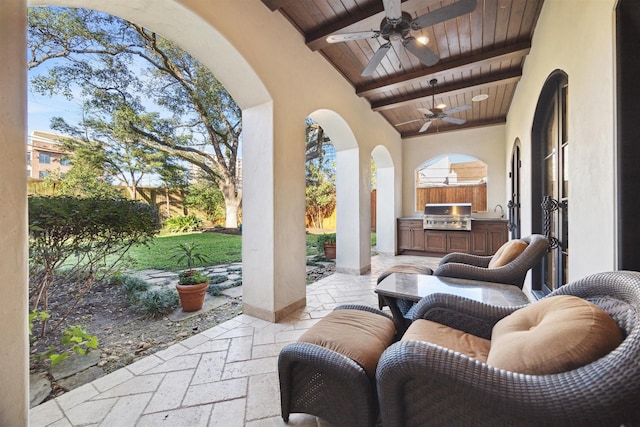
{"points": [[396, 29], [438, 112]]}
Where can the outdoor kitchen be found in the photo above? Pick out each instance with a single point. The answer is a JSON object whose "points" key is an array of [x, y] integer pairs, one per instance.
{"points": [[452, 227]]}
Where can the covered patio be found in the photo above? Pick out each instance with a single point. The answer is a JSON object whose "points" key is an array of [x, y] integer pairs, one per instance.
{"points": [[278, 81]]}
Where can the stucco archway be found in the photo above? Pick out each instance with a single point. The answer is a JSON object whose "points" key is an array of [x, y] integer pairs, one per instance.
{"points": [[353, 233], [385, 213]]}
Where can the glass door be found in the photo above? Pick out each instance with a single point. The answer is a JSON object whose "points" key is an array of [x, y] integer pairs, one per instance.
{"points": [[514, 203], [551, 194]]}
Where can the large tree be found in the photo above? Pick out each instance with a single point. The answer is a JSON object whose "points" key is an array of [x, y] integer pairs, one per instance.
{"points": [[123, 71]]}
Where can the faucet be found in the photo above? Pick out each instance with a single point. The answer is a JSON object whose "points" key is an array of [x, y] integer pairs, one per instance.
{"points": [[501, 210]]}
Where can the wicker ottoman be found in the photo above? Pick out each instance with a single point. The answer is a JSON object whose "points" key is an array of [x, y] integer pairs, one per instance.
{"points": [[330, 371]]}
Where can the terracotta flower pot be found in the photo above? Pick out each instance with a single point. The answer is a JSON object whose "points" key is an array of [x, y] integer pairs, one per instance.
{"points": [[192, 296], [330, 250]]}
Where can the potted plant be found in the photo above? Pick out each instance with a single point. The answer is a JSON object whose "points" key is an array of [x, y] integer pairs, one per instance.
{"points": [[192, 284], [328, 244]]}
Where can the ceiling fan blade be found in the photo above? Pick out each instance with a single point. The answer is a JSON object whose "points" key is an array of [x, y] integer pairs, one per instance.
{"points": [[336, 38], [458, 109], [392, 10], [425, 126], [454, 120], [406, 123], [420, 51], [375, 61], [425, 111], [451, 11]]}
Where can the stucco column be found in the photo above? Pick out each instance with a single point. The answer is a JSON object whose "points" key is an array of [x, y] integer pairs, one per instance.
{"points": [[273, 206], [14, 351], [353, 212], [385, 212]]}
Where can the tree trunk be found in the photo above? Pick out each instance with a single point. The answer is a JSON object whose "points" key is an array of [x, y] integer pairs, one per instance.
{"points": [[232, 201], [231, 221]]}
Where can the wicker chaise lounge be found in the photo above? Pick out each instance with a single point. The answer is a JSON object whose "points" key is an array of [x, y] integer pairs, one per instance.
{"points": [[420, 383], [474, 267]]}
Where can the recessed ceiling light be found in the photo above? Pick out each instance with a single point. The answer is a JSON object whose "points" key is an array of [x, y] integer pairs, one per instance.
{"points": [[423, 40], [479, 98]]}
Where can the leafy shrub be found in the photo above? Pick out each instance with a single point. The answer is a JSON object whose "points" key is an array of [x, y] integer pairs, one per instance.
{"points": [[191, 277], [219, 278], [75, 338], [216, 289], [133, 287], [182, 223], [158, 302], [81, 234], [207, 198]]}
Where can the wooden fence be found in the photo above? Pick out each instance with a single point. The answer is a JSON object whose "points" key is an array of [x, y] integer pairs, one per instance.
{"points": [[476, 194]]}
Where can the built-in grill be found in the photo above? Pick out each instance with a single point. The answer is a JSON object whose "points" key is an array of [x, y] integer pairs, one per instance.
{"points": [[447, 216]]}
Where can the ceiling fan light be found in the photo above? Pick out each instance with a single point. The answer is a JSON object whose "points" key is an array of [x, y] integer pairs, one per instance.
{"points": [[423, 40], [479, 98], [442, 106]]}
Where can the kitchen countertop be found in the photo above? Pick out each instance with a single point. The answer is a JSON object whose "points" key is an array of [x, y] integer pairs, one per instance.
{"points": [[416, 218]]}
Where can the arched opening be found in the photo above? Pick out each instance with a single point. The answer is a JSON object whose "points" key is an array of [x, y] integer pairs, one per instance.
{"points": [[385, 195], [514, 204], [352, 229], [452, 178], [550, 182]]}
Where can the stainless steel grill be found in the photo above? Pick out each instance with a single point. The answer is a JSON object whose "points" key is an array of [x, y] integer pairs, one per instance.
{"points": [[447, 216]]}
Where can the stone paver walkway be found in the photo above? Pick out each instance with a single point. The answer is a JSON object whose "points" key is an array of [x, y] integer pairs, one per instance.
{"points": [[225, 376]]}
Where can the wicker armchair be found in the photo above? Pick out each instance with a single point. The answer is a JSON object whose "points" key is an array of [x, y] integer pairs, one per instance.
{"points": [[474, 267], [423, 384]]}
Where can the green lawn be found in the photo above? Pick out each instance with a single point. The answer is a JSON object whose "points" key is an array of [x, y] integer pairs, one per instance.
{"points": [[219, 249]]}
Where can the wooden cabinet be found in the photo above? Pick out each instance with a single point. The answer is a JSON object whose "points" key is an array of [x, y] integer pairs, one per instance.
{"points": [[410, 235], [488, 236], [458, 241], [484, 238], [435, 241]]}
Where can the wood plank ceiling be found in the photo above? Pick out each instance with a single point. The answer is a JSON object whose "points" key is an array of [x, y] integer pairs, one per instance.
{"points": [[481, 52]]}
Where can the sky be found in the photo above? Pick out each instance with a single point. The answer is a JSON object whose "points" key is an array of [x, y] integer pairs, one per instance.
{"points": [[42, 108]]}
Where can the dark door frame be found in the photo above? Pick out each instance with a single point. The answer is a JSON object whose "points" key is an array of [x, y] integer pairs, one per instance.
{"points": [[548, 98], [514, 205]]}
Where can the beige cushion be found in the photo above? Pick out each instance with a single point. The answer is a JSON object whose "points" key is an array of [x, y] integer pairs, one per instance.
{"points": [[555, 334], [359, 335], [507, 253], [444, 336]]}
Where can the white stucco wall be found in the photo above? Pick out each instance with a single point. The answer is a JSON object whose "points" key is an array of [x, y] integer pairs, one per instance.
{"points": [[576, 36], [486, 144], [14, 352]]}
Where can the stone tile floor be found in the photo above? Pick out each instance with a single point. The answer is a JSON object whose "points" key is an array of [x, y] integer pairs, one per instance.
{"points": [[225, 376]]}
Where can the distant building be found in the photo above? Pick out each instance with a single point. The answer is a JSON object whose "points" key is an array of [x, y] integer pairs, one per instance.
{"points": [[45, 154]]}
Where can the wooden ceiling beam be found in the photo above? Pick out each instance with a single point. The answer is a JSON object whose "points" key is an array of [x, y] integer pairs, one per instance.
{"points": [[449, 90], [470, 124], [275, 4], [316, 39], [512, 52]]}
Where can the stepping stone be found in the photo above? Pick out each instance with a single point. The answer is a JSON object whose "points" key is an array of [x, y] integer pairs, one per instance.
{"points": [[74, 364], [81, 378], [235, 292], [39, 389]]}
